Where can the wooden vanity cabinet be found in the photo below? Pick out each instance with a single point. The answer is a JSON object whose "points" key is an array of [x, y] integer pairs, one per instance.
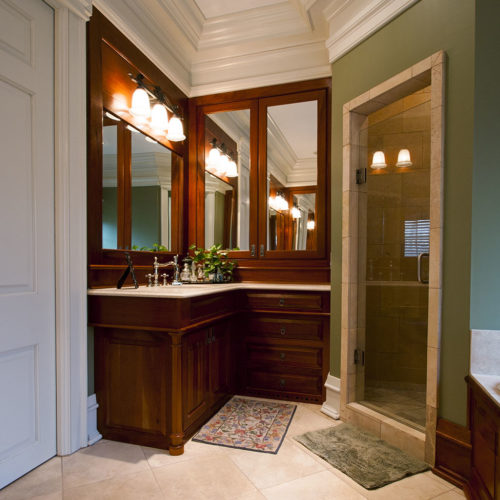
{"points": [[485, 434], [286, 345]]}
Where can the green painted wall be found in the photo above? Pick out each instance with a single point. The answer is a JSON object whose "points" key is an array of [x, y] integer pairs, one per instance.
{"points": [[425, 28], [485, 269], [146, 216]]}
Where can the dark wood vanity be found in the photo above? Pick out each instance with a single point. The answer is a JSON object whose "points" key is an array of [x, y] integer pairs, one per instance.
{"points": [[484, 418], [165, 365]]}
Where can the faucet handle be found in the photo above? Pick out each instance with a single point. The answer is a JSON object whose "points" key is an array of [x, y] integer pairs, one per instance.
{"points": [[150, 279], [164, 276]]}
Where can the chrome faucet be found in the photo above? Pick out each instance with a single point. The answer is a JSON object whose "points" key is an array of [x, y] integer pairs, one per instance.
{"points": [[174, 263]]}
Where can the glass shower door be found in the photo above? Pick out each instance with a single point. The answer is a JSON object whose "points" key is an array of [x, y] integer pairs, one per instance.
{"points": [[394, 230]]}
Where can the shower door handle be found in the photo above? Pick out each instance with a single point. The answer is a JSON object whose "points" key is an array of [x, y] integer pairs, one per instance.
{"points": [[419, 267]]}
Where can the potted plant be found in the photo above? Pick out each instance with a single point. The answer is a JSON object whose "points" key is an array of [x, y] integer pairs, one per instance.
{"points": [[216, 267]]}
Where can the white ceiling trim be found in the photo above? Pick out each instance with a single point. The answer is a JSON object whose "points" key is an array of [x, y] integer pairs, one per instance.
{"points": [[81, 8], [277, 20], [352, 22]]}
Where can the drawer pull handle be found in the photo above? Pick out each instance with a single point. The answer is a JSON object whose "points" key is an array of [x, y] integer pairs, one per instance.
{"points": [[282, 355], [282, 382], [282, 302], [283, 330]]}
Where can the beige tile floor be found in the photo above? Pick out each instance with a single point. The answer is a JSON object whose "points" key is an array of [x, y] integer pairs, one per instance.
{"points": [[111, 470]]}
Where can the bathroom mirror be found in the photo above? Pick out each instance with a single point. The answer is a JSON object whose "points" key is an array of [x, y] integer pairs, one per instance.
{"points": [[136, 189], [292, 175], [220, 220], [231, 132]]}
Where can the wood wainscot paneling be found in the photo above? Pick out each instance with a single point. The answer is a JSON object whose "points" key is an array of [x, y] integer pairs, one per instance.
{"points": [[453, 452]]}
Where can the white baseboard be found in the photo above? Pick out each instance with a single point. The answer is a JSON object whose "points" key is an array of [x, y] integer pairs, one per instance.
{"points": [[331, 406], [92, 432]]}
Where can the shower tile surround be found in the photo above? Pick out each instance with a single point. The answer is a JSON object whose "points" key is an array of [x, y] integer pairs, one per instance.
{"points": [[407, 87]]}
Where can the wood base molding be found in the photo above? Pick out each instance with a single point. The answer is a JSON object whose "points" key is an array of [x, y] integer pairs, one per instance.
{"points": [[453, 453]]}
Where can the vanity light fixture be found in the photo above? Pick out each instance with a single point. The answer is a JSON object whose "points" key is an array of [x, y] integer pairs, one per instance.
{"points": [[378, 161], [296, 212], [278, 202], [141, 109], [311, 225], [220, 161], [404, 159]]}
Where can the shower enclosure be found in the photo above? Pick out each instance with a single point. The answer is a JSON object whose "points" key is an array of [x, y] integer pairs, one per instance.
{"points": [[393, 272]]}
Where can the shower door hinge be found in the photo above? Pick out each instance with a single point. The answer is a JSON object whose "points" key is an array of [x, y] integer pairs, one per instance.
{"points": [[361, 176], [359, 357]]}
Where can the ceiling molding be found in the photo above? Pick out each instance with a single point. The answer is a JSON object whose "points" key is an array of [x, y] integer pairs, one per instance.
{"points": [[282, 19], [81, 8], [351, 22]]}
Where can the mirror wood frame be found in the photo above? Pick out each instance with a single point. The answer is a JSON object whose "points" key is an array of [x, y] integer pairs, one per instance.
{"points": [[110, 57], [292, 265]]}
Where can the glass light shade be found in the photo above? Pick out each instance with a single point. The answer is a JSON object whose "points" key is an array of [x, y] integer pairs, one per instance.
{"points": [[378, 160], [296, 213], [281, 203], [213, 158], [311, 225], [404, 159], [140, 104], [232, 169], [175, 130], [159, 118], [272, 202], [223, 165]]}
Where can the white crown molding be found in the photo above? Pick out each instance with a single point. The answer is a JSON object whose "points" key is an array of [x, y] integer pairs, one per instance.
{"points": [[287, 64], [282, 19], [188, 17], [166, 46], [353, 22]]}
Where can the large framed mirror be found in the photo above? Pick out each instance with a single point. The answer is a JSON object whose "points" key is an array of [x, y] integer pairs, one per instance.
{"points": [[293, 157], [136, 189], [229, 194]]}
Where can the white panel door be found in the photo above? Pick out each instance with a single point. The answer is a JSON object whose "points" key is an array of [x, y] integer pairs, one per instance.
{"points": [[27, 280]]}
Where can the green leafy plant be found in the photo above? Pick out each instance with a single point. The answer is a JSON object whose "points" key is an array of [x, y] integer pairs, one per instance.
{"points": [[155, 248], [213, 259]]}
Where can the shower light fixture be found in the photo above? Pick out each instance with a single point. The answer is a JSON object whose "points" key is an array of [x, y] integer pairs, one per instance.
{"points": [[378, 161], [141, 109], [404, 159]]}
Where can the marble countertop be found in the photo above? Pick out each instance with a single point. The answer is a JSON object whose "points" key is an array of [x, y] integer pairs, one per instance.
{"points": [[490, 384], [187, 291]]}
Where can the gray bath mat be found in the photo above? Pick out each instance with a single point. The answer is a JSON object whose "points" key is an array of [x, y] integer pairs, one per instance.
{"points": [[368, 460]]}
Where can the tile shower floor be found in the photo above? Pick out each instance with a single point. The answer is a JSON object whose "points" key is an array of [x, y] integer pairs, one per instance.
{"points": [[403, 404], [112, 470]]}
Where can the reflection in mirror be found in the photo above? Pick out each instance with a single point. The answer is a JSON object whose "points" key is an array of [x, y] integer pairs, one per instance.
{"points": [[151, 193], [109, 187], [220, 220], [292, 172], [232, 130]]}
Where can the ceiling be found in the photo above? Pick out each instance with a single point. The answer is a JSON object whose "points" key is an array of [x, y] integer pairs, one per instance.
{"points": [[211, 46]]}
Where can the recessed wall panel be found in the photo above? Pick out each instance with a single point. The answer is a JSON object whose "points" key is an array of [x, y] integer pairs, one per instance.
{"points": [[19, 399], [17, 223], [15, 31]]}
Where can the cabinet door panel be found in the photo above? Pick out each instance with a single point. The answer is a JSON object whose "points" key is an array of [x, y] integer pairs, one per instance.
{"points": [[194, 376], [279, 357], [220, 361]]}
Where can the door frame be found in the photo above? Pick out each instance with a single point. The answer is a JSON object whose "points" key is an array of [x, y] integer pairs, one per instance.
{"points": [[430, 71], [70, 167]]}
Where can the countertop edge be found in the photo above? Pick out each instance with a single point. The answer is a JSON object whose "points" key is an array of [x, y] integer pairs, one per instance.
{"points": [[488, 383]]}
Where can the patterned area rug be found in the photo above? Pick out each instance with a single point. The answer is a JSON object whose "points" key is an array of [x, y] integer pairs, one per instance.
{"points": [[248, 424], [368, 460]]}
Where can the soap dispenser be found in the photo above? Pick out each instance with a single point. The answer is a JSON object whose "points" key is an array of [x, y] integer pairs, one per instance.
{"points": [[185, 274]]}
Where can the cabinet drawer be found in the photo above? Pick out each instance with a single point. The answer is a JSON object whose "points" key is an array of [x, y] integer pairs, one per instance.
{"points": [[285, 328], [286, 301], [283, 382], [284, 356]]}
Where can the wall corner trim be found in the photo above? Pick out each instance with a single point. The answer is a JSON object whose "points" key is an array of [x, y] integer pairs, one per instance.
{"points": [[331, 406]]}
